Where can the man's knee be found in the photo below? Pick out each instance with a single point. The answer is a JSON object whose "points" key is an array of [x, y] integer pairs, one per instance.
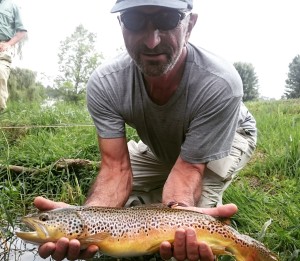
{"points": [[220, 173]]}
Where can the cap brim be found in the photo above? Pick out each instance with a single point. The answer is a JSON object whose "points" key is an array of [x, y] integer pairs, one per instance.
{"points": [[166, 3]]}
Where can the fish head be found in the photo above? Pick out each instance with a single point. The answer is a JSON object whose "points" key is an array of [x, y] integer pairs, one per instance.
{"points": [[49, 226]]}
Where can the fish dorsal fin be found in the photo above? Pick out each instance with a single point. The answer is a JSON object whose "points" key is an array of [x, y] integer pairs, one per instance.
{"points": [[226, 221], [153, 205]]}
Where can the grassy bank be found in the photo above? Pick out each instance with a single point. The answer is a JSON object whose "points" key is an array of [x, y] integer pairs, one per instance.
{"points": [[266, 191]]}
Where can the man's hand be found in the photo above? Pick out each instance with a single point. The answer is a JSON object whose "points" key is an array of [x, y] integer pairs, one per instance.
{"points": [[63, 248], [4, 46], [186, 245]]}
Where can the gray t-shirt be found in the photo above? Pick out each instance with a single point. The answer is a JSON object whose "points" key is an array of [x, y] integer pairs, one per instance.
{"points": [[199, 120]]}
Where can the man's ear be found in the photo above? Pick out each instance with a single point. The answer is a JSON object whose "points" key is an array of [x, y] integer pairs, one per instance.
{"points": [[119, 19], [192, 22]]}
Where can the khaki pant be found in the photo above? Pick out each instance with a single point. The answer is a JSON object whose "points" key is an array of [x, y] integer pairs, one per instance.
{"points": [[5, 64], [149, 174]]}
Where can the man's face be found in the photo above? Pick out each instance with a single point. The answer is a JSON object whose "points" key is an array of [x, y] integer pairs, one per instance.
{"points": [[155, 51]]}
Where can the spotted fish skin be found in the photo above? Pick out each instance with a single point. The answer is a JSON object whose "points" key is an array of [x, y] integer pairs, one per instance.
{"points": [[124, 232]]}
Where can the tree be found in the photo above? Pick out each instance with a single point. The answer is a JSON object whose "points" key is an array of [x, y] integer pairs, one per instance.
{"points": [[249, 79], [77, 59], [293, 81], [23, 86]]}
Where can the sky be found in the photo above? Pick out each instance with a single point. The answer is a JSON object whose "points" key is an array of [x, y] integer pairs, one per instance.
{"points": [[264, 33]]}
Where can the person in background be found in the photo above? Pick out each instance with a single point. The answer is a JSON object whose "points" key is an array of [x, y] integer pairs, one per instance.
{"points": [[12, 31], [186, 106]]}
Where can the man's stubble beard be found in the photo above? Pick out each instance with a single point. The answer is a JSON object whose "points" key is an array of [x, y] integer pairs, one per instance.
{"points": [[152, 68]]}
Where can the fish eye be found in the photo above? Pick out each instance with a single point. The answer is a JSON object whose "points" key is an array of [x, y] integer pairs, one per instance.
{"points": [[43, 217]]}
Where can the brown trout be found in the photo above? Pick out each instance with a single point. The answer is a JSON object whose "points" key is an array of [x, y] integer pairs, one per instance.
{"points": [[125, 232]]}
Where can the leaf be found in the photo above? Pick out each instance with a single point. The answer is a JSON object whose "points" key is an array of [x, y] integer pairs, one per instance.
{"points": [[264, 229]]}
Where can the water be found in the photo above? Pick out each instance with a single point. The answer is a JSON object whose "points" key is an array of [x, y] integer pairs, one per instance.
{"points": [[13, 248], [48, 103], [16, 250]]}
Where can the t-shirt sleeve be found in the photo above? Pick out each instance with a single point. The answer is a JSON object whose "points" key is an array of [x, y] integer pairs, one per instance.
{"points": [[18, 20], [211, 129], [103, 105]]}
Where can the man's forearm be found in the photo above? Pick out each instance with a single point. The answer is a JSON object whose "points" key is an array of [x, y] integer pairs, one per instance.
{"points": [[110, 190], [17, 38], [184, 184]]}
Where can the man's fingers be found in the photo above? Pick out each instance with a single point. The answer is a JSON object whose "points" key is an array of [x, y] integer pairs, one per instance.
{"points": [[226, 210], [61, 250], [73, 249], [46, 249], [192, 245], [89, 252], [180, 244], [165, 250], [66, 249], [186, 246], [45, 204], [205, 252]]}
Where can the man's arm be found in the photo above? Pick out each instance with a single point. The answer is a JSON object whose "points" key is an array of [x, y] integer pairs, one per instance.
{"points": [[17, 38], [113, 184], [184, 183], [112, 187]]}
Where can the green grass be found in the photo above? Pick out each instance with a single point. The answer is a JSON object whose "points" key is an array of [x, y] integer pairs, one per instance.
{"points": [[268, 188], [266, 191]]}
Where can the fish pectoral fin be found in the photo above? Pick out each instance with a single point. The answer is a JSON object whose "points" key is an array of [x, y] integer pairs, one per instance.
{"points": [[220, 250], [155, 248], [94, 239]]}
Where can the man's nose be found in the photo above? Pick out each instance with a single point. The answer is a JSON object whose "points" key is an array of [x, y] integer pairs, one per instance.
{"points": [[152, 36]]}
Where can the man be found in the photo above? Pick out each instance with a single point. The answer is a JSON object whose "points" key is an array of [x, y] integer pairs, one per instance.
{"points": [[12, 32], [186, 105]]}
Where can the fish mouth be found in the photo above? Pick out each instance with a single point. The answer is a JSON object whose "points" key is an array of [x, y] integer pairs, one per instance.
{"points": [[38, 234]]}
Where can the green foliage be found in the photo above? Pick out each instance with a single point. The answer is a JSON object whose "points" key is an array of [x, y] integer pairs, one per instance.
{"points": [[293, 82], [282, 122], [249, 79], [77, 60], [27, 141], [22, 86], [268, 187]]}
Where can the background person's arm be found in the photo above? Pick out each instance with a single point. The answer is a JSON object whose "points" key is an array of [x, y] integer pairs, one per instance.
{"points": [[17, 38]]}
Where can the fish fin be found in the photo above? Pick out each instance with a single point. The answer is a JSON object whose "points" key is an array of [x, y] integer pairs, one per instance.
{"points": [[220, 250], [226, 221], [94, 239], [153, 205], [155, 248]]}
